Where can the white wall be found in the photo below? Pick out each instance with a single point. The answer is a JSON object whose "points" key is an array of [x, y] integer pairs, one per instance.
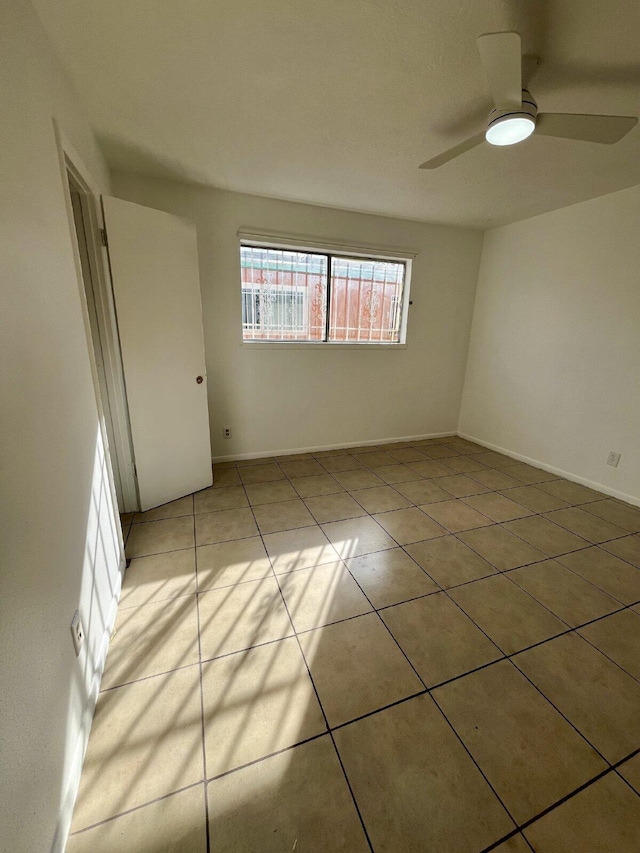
{"points": [[59, 547], [289, 399], [554, 356]]}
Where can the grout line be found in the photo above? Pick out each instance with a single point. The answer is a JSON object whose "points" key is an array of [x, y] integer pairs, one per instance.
{"points": [[317, 695], [202, 723], [137, 808]]}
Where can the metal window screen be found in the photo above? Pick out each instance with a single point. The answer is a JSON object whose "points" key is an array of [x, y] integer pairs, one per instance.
{"points": [[284, 297], [284, 294]]}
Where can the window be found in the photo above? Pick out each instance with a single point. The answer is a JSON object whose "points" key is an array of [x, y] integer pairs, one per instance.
{"points": [[292, 295]]}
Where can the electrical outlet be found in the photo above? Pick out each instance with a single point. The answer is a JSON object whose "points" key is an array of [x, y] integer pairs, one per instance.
{"points": [[226, 432], [613, 458], [77, 632]]}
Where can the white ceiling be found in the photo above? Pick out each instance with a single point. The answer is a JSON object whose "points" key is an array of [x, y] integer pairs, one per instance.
{"points": [[337, 102]]}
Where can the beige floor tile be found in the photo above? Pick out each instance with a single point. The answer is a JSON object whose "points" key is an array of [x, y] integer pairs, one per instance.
{"points": [[380, 499], [156, 537], [389, 577], [616, 577], [256, 703], [152, 639], [431, 469], [360, 479], [213, 527], [563, 592], [273, 518], [586, 525], [295, 801], [501, 548], [627, 549], [183, 506], [262, 460], [547, 537], [262, 473], [357, 668], [332, 464], [214, 499], [397, 474], [528, 474], [572, 493], [326, 508], [630, 771], [322, 454], [239, 617], [439, 640], [321, 595], [534, 498], [493, 459], [601, 700], [268, 493], [623, 515], [455, 516], [440, 451], [174, 824], [158, 577], [394, 445], [465, 465], [421, 492], [221, 466], [409, 525], [497, 507], [311, 487], [450, 562], [494, 478], [507, 614], [528, 752], [618, 637], [515, 844], [460, 486], [375, 459], [415, 784], [294, 457], [604, 818], [226, 477], [146, 742], [232, 562], [357, 536], [302, 468], [126, 518], [299, 549], [408, 454]]}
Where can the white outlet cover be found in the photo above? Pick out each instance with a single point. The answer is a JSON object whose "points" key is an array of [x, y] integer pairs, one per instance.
{"points": [[77, 632], [613, 459]]}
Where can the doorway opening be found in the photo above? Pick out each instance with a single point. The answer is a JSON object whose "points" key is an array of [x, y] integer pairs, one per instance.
{"points": [[103, 341]]}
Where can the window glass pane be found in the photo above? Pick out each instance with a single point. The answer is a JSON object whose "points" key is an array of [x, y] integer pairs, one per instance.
{"points": [[366, 300], [284, 294]]}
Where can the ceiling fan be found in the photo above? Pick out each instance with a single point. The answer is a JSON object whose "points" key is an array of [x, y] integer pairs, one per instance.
{"points": [[516, 115]]}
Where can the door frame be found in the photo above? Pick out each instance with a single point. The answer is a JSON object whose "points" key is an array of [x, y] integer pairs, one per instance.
{"points": [[122, 462]]}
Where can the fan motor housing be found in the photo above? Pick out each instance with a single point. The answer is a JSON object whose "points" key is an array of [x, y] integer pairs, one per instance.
{"points": [[529, 109]]}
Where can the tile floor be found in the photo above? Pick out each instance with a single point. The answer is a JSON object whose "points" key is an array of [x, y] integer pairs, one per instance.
{"points": [[411, 647]]}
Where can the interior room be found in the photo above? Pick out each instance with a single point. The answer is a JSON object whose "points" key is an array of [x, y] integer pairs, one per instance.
{"points": [[321, 426]]}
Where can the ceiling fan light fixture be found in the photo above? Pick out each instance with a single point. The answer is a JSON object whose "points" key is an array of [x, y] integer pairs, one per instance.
{"points": [[510, 130], [510, 126]]}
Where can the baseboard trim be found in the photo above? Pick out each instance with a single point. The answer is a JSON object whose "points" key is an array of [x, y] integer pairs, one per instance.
{"points": [[315, 449], [568, 475], [69, 799]]}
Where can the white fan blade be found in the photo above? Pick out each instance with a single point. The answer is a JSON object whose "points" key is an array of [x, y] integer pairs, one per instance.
{"points": [[604, 129], [501, 56], [467, 145]]}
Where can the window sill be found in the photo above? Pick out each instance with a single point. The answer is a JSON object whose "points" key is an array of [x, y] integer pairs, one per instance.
{"points": [[319, 345]]}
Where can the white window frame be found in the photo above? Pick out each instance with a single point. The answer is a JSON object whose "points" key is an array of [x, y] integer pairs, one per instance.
{"points": [[331, 249]]}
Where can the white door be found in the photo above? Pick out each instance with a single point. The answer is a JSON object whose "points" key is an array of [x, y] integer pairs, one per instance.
{"points": [[156, 285]]}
